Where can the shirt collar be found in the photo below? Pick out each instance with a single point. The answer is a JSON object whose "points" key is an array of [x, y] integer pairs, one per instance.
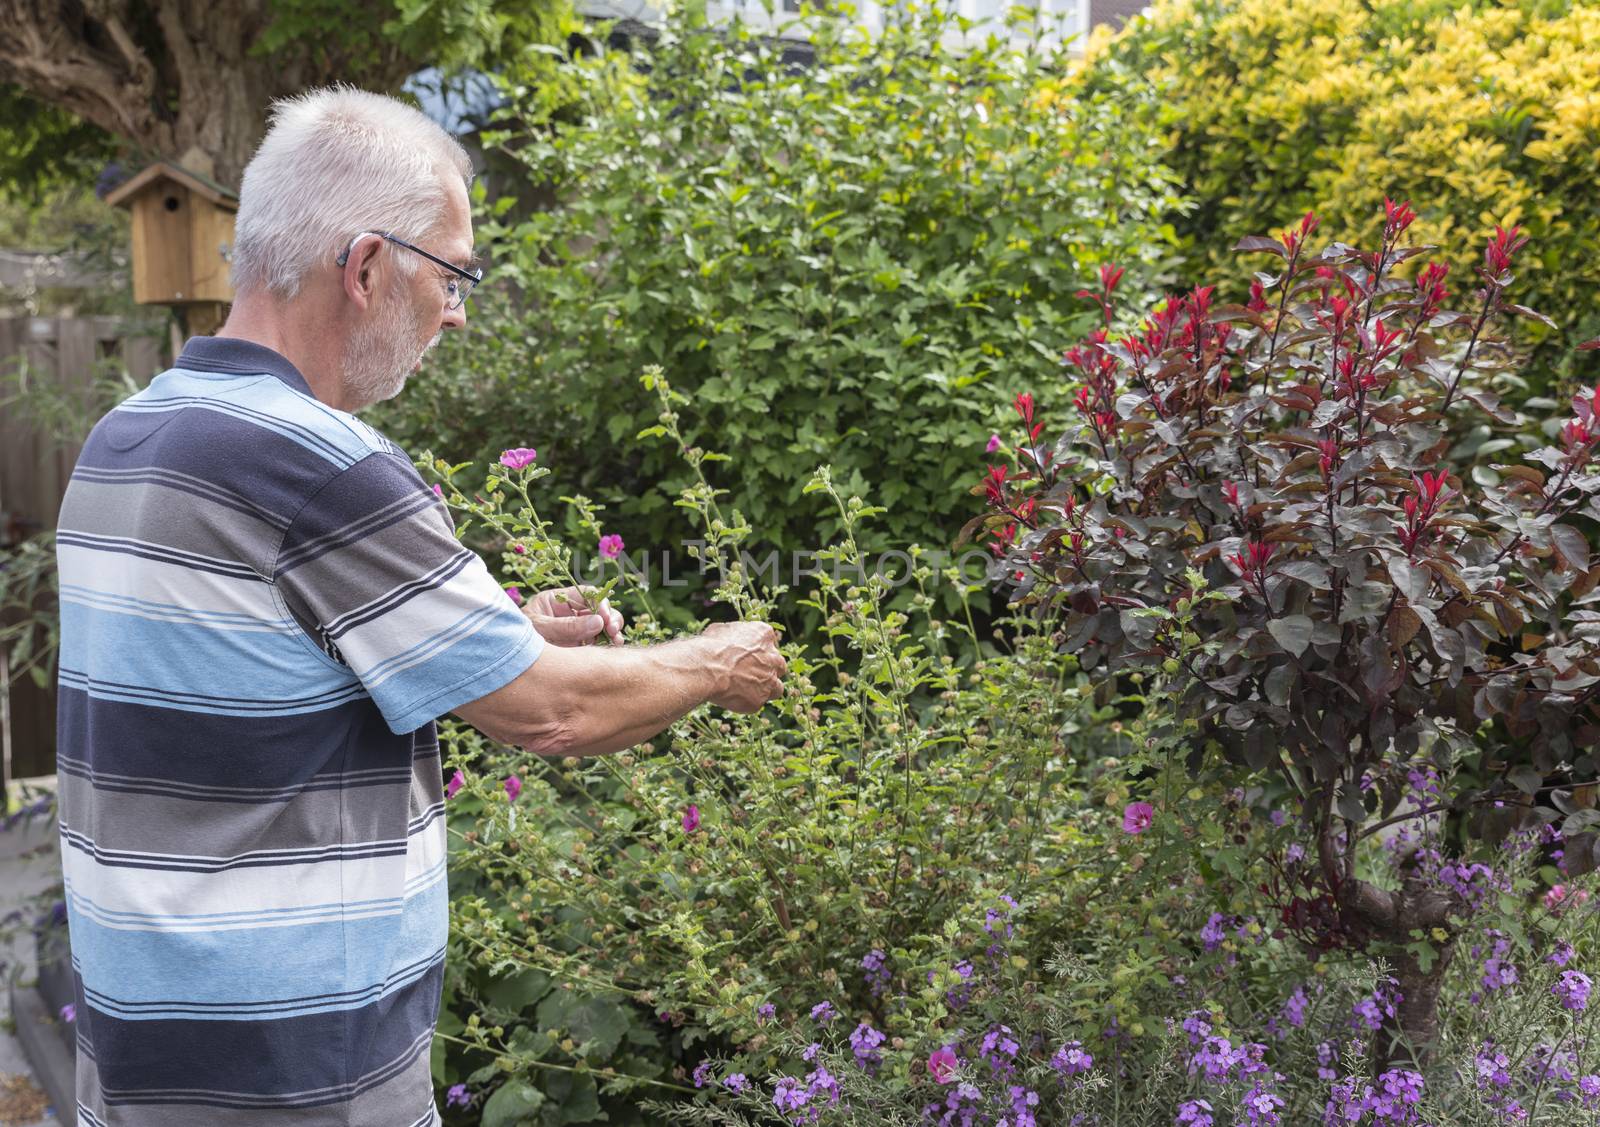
{"points": [[232, 356]]}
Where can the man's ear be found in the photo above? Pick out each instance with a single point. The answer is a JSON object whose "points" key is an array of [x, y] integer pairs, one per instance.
{"points": [[362, 270]]}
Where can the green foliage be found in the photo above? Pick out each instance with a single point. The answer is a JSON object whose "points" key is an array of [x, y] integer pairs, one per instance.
{"points": [[848, 261], [1480, 114], [43, 149], [905, 777]]}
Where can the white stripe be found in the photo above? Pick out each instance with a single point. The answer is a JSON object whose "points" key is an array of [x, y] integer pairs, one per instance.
{"points": [[372, 649], [181, 901], [125, 576]]}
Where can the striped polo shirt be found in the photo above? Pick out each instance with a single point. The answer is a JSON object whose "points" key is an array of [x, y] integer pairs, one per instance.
{"points": [[263, 610]]}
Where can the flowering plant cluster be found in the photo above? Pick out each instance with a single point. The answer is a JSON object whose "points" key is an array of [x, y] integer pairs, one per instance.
{"points": [[609, 913], [1254, 502], [1241, 1035]]}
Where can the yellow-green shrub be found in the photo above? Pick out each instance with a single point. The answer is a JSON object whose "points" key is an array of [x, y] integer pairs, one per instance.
{"points": [[1480, 115]]}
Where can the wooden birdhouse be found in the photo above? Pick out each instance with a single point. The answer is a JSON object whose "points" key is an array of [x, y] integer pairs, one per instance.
{"points": [[182, 241]]}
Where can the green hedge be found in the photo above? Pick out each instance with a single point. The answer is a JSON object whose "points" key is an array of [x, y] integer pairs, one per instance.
{"points": [[858, 261]]}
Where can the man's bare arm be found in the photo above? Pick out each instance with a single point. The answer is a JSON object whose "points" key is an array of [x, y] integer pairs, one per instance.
{"points": [[591, 700]]}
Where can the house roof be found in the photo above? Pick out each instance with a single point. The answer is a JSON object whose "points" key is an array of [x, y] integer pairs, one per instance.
{"points": [[166, 170]]}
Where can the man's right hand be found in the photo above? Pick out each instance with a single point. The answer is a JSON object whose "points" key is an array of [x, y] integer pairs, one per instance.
{"points": [[751, 669]]}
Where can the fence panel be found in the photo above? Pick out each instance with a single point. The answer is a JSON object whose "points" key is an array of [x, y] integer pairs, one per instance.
{"points": [[67, 354]]}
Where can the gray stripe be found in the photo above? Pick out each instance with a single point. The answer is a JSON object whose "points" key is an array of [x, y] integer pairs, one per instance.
{"points": [[171, 519], [363, 573], [400, 1101], [150, 823]]}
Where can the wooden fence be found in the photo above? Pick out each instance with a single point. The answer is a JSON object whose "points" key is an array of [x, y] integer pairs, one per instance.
{"points": [[64, 357]]}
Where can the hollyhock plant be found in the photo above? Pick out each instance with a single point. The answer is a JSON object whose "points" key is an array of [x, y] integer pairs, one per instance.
{"points": [[943, 1064], [611, 546], [1254, 505], [518, 458], [1137, 817]]}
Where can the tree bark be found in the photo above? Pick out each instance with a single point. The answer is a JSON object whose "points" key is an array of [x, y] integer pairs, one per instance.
{"points": [[168, 75]]}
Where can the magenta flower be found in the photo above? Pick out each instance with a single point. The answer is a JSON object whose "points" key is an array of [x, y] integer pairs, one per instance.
{"points": [[518, 457], [611, 546], [513, 787], [994, 444], [456, 782], [438, 491], [942, 1064], [514, 593], [1137, 816], [691, 819]]}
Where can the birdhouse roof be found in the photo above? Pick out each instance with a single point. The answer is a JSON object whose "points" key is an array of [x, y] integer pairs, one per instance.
{"points": [[166, 170]]}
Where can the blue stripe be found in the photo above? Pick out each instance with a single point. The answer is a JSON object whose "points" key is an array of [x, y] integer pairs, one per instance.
{"points": [[225, 967]]}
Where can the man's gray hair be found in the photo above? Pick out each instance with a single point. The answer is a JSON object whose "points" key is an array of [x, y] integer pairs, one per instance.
{"points": [[336, 162]]}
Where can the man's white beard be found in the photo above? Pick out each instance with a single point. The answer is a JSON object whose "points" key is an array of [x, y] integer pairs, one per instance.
{"points": [[380, 355]]}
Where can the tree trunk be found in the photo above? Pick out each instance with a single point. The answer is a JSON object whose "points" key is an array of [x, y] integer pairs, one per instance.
{"points": [[168, 75], [1387, 919]]}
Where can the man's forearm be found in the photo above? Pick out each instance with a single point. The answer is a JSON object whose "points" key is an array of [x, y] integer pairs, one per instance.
{"points": [[629, 694]]}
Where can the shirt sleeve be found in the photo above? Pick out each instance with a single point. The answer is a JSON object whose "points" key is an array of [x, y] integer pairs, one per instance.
{"points": [[372, 571]]}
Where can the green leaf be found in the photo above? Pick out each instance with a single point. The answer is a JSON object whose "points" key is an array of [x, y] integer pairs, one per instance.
{"points": [[512, 1104]]}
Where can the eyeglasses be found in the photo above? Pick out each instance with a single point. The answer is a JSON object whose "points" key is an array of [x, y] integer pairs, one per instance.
{"points": [[458, 287]]}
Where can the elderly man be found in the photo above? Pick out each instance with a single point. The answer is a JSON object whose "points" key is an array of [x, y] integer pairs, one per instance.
{"points": [[264, 609]]}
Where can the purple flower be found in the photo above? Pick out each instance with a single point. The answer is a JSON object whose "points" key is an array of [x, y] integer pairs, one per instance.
{"points": [[1214, 931], [691, 819], [457, 781], [809, 1053], [736, 1082], [457, 1096], [1261, 1107], [993, 444], [1137, 816], [942, 1064], [1278, 818], [1217, 1058], [1295, 1006], [1198, 1026], [765, 1012], [864, 1043], [789, 1095], [1194, 1113], [1491, 1068], [513, 787], [611, 546], [1070, 1059], [518, 457], [69, 1013], [1399, 1090], [822, 1013], [1023, 1101], [999, 1048], [1562, 955], [702, 1074], [876, 973], [1295, 853], [1572, 991]]}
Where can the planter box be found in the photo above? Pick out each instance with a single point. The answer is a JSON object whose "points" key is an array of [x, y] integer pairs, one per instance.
{"points": [[48, 1042]]}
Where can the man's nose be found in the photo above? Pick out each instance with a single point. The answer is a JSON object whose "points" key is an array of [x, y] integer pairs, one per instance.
{"points": [[454, 318]]}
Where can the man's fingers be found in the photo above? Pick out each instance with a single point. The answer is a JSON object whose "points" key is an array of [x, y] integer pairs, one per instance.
{"points": [[575, 631]]}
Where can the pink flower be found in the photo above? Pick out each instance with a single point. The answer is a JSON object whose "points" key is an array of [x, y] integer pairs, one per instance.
{"points": [[456, 782], [514, 593], [513, 787], [1137, 816], [994, 444], [438, 491], [519, 549], [691, 819], [942, 1064], [518, 457], [611, 546]]}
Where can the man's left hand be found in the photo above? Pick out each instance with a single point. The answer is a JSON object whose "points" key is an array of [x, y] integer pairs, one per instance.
{"points": [[563, 618]]}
